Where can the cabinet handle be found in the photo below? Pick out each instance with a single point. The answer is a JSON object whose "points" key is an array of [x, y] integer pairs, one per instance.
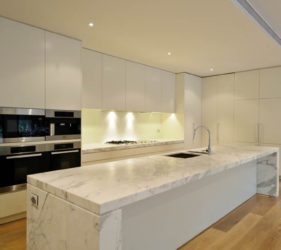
{"points": [[65, 152], [52, 129], [258, 133], [218, 133], [23, 156]]}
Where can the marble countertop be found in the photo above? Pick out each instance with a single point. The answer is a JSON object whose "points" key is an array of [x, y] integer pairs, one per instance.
{"points": [[102, 188], [103, 147]]}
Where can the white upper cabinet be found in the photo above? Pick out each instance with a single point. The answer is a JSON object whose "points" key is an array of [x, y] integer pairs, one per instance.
{"points": [[111, 83], [270, 83], [22, 66], [63, 73], [168, 92], [114, 83], [135, 87], [153, 90], [247, 85], [92, 79]]}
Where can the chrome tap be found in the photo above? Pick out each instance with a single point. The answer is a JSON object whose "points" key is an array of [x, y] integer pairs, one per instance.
{"points": [[209, 134]]}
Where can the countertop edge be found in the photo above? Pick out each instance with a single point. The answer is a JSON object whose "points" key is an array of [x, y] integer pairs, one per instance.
{"points": [[109, 206]]}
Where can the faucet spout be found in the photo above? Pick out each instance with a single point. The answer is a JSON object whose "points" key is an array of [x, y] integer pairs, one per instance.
{"points": [[209, 136]]}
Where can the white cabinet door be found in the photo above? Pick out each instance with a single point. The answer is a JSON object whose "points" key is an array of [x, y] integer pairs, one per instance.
{"points": [[22, 65], [135, 87], [247, 84], [270, 83], [153, 90], [168, 82], [92, 79], [114, 83], [209, 107], [12, 203], [246, 121], [63, 73], [225, 109], [270, 121]]}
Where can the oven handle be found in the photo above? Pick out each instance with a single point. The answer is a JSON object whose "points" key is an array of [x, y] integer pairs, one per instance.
{"points": [[23, 156], [65, 152]]}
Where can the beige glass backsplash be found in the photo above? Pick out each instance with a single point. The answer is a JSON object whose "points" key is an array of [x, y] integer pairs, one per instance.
{"points": [[99, 126]]}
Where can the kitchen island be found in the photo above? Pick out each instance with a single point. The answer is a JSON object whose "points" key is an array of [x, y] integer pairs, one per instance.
{"points": [[153, 202]]}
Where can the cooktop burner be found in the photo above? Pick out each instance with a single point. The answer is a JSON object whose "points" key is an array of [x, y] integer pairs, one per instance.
{"points": [[122, 142]]}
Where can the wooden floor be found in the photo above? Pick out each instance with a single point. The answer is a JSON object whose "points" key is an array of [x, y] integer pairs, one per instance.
{"points": [[255, 225]]}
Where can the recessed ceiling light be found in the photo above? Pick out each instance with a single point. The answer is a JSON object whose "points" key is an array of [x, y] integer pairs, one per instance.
{"points": [[169, 53], [91, 24], [211, 69]]}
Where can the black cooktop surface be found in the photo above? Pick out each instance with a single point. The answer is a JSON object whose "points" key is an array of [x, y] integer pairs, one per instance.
{"points": [[121, 142]]}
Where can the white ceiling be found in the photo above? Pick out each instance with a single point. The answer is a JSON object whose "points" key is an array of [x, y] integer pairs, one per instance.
{"points": [[201, 34]]}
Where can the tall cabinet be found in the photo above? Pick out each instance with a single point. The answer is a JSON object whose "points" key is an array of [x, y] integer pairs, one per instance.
{"points": [[249, 110], [189, 96], [218, 108], [246, 106]]}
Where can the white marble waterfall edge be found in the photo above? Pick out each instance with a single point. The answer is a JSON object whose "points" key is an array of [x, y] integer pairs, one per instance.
{"points": [[56, 224]]}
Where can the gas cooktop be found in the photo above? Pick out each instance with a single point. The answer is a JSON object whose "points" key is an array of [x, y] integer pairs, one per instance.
{"points": [[122, 142]]}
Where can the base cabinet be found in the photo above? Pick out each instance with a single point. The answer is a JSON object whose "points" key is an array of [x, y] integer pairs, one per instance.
{"points": [[13, 206]]}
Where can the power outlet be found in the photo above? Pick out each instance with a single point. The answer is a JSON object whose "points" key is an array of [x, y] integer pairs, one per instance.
{"points": [[34, 200]]}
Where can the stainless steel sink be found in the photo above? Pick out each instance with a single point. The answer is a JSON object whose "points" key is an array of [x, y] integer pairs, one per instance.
{"points": [[183, 155]]}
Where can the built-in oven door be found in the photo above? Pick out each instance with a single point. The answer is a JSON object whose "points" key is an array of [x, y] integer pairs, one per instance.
{"points": [[1, 129], [65, 159], [15, 168]]}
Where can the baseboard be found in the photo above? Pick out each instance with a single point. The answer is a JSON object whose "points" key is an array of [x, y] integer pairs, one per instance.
{"points": [[12, 218]]}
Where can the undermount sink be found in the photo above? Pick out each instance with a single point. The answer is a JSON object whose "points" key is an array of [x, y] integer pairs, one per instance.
{"points": [[183, 155]]}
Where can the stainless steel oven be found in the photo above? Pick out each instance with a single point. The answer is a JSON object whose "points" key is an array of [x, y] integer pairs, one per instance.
{"points": [[21, 125], [18, 162], [66, 155], [63, 125]]}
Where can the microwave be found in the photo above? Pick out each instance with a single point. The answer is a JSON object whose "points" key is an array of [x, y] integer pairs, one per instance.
{"points": [[61, 125], [22, 125]]}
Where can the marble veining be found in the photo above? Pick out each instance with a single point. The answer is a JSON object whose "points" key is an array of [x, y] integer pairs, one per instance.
{"points": [[102, 147], [55, 224], [267, 180], [105, 187]]}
